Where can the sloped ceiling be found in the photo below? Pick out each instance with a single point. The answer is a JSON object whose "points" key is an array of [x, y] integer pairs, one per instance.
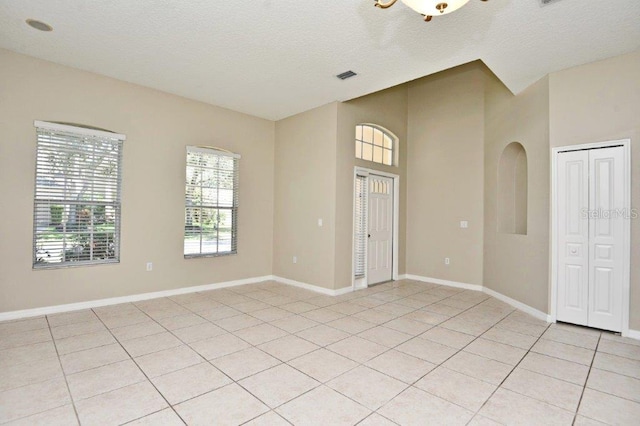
{"points": [[276, 58]]}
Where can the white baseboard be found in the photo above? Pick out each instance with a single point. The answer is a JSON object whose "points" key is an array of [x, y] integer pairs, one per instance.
{"points": [[447, 283], [48, 310], [516, 304], [519, 305], [311, 287], [633, 334]]}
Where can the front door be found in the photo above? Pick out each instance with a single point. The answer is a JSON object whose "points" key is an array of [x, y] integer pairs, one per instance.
{"points": [[380, 244]]}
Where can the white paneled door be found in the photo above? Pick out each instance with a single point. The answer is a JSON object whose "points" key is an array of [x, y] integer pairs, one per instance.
{"points": [[380, 245], [573, 237], [591, 202]]}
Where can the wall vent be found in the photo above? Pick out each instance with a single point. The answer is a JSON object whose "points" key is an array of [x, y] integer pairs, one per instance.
{"points": [[345, 75]]}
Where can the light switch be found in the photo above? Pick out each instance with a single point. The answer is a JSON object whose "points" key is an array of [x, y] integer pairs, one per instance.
{"points": [[319, 222], [464, 224]]}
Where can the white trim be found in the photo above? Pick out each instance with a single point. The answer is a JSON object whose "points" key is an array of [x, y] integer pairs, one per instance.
{"points": [[77, 130], [47, 310], [626, 269], [456, 284], [212, 150], [475, 287], [363, 171], [518, 305], [312, 287], [632, 334]]}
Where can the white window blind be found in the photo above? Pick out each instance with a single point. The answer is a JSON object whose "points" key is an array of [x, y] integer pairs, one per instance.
{"points": [[361, 234], [77, 196], [211, 202]]}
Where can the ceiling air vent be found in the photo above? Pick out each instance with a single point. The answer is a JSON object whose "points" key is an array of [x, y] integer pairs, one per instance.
{"points": [[347, 74], [547, 2]]}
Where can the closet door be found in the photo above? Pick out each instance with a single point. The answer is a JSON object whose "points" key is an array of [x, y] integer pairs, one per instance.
{"points": [[606, 237], [573, 237]]}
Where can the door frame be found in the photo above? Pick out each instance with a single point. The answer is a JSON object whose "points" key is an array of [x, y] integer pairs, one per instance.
{"points": [[626, 244], [363, 171]]}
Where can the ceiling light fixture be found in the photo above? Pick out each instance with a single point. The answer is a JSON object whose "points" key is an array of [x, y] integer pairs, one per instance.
{"points": [[39, 25], [427, 8]]}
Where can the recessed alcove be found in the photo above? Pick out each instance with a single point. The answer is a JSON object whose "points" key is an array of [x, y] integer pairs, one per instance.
{"points": [[512, 190]]}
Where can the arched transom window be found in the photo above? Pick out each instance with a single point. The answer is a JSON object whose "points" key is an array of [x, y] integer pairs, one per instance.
{"points": [[375, 143]]}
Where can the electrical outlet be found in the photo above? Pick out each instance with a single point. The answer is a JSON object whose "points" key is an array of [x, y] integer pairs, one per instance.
{"points": [[447, 261], [295, 259], [149, 266], [464, 224]]}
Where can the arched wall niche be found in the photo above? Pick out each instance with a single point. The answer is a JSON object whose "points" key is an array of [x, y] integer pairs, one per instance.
{"points": [[513, 190]]}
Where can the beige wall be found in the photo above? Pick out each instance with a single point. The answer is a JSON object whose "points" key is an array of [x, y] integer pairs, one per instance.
{"points": [[388, 109], [445, 175], [599, 102], [518, 265], [452, 129], [305, 191], [158, 127]]}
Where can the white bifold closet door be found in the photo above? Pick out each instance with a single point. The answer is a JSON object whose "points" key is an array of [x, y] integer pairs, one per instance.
{"points": [[590, 237]]}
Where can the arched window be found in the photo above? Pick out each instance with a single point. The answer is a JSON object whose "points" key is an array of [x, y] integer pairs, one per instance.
{"points": [[375, 143], [512, 190]]}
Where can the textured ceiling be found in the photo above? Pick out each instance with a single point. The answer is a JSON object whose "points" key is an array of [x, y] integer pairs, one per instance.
{"points": [[275, 58]]}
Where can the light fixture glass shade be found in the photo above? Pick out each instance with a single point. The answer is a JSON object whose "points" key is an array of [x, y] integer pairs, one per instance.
{"points": [[429, 7]]}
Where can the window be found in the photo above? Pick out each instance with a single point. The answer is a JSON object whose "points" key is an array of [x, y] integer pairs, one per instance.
{"points": [[77, 196], [211, 202], [373, 143]]}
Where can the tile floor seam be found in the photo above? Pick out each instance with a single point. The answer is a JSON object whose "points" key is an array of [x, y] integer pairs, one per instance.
{"points": [[509, 374], [466, 375], [38, 412], [615, 372], [147, 378], [490, 311], [621, 356], [336, 391], [283, 403], [555, 357], [461, 349], [586, 380], [260, 415], [150, 414], [442, 363], [66, 381], [381, 415], [443, 398], [609, 393], [553, 377], [565, 343]]}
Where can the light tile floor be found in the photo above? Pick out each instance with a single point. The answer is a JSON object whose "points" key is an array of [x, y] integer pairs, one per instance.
{"points": [[269, 354]]}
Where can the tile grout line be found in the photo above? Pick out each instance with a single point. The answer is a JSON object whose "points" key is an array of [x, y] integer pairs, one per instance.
{"points": [[233, 381], [73, 402], [586, 380], [143, 373], [416, 336], [349, 334], [457, 352], [508, 375]]}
